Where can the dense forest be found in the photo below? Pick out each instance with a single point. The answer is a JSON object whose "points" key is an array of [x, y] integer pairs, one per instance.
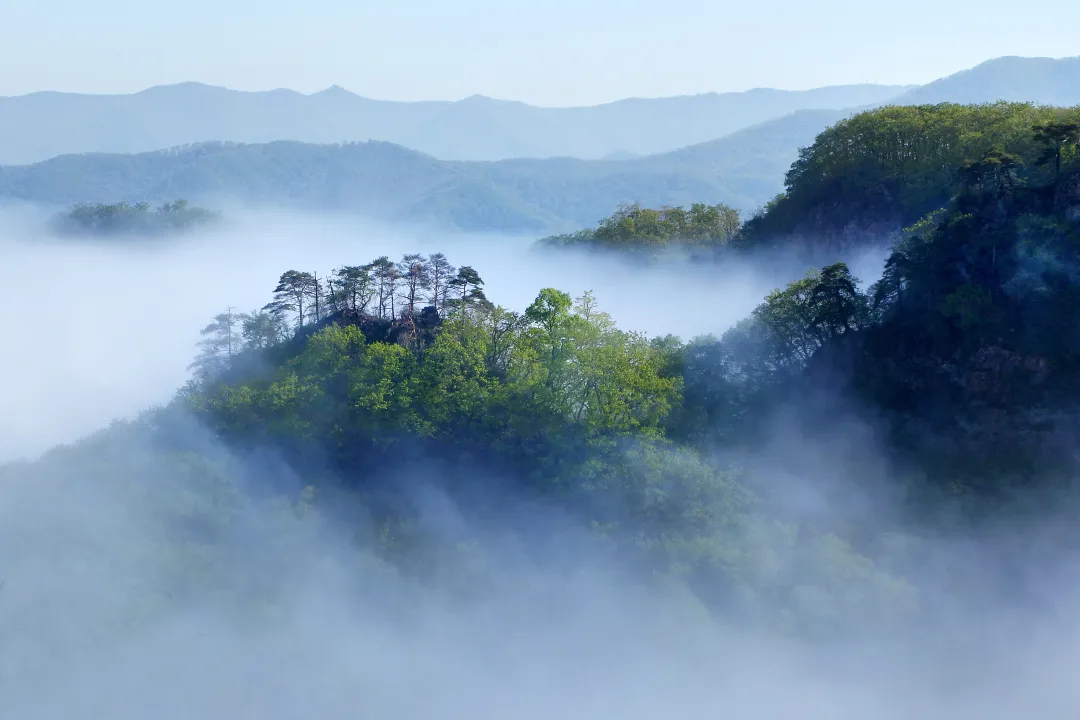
{"points": [[963, 354], [140, 219], [867, 177]]}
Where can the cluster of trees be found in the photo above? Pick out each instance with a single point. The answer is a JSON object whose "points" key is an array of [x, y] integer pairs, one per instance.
{"points": [[635, 227], [861, 181], [138, 219], [563, 358], [893, 165], [400, 297]]}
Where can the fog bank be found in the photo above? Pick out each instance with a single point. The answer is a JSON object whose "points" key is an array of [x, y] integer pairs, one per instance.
{"points": [[102, 329]]}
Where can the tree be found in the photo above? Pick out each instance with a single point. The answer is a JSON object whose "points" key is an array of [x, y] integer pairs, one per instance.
{"points": [[293, 289], [712, 224], [1059, 136], [260, 329], [467, 291], [551, 336], [317, 296], [837, 304], [995, 173], [218, 346], [442, 274], [353, 287], [501, 328], [889, 290], [800, 319], [386, 278], [415, 278]]}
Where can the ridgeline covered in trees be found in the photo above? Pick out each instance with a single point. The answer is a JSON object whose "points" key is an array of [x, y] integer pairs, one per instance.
{"points": [[139, 219], [860, 183], [866, 177]]}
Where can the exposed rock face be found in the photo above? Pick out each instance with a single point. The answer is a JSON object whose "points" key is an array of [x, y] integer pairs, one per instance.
{"points": [[995, 375], [402, 331]]}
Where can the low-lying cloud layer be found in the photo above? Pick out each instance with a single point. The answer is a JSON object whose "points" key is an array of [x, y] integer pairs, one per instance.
{"points": [[128, 593], [103, 329], [104, 615]]}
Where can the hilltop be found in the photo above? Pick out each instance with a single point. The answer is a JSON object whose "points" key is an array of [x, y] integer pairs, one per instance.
{"points": [[870, 176]]}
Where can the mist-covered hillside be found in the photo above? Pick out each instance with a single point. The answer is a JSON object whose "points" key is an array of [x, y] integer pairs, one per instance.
{"points": [[386, 490], [42, 125]]}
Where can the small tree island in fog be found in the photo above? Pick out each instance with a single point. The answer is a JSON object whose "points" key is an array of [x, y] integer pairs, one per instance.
{"points": [[138, 219]]}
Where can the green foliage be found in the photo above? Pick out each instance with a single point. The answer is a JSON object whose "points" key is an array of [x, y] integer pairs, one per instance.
{"points": [[889, 167], [637, 228], [556, 398], [138, 219], [561, 361]]}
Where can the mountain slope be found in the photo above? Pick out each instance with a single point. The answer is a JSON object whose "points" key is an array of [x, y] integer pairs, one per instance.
{"points": [[42, 125], [391, 182], [1044, 81]]}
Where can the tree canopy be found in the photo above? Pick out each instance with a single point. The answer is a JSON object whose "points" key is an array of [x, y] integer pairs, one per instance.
{"points": [[634, 227], [884, 169], [138, 219]]}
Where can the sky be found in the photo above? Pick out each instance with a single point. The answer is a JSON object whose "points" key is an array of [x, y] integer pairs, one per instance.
{"points": [[556, 52]]}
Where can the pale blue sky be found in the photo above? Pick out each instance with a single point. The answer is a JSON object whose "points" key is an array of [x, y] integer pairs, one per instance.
{"points": [[554, 52]]}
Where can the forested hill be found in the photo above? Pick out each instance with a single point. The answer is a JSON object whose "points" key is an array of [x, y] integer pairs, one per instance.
{"points": [[869, 176], [390, 182], [964, 353]]}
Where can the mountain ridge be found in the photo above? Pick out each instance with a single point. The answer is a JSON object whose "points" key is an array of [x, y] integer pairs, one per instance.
{"points": [[38, 126], [391, 182]]}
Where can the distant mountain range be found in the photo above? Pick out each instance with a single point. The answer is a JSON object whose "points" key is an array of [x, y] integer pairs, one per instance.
{"points": [[42, 125], [396, 181]]}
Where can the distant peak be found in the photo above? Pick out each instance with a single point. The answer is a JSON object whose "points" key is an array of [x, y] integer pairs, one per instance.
{"points": [[186, 84], [334, 91]]}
